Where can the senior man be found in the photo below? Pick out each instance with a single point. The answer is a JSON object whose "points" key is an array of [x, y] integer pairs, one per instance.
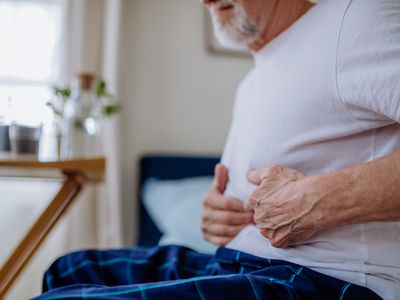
{"points": [[320, 111], [308, 193]]}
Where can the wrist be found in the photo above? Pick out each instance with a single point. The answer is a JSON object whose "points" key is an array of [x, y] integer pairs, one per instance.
{"points": [[336, 197]]}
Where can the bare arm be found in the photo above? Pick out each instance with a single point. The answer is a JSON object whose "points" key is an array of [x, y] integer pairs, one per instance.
{"points": [[367, 192], [290, 208]]}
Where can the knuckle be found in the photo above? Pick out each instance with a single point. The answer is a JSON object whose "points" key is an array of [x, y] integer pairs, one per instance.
{"points": [[221, 242], [258, 218], [208, 200], [253, 194], [204, 215], [223, 231], [253, 199], [213, 240], [274, 170], [218, 242], [225, 217], [226, 204], [274, 242], [292, 174], [230, 232]]}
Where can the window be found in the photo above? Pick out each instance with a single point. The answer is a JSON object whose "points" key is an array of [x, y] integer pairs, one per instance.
{"points": [[30, 35]]}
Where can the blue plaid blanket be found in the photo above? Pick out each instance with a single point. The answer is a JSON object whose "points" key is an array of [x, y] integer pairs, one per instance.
{"points": [[174, 272]]}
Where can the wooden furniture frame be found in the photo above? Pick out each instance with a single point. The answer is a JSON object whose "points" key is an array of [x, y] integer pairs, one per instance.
{"points": [[76, 174]]}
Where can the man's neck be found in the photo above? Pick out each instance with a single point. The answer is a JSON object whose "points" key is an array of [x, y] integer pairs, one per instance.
{"points": [[285, 14]]}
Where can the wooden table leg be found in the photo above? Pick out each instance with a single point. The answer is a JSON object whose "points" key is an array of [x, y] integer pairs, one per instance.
{"points": [[35, 236]]}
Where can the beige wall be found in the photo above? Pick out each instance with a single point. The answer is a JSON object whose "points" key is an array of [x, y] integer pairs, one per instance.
{"points": [[177, 97]]}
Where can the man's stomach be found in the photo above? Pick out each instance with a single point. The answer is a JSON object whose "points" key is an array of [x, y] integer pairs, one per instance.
{"points": [[354, 253]]}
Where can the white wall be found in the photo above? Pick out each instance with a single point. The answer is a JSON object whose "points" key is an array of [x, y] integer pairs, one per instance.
{"points": [[177, 97]]}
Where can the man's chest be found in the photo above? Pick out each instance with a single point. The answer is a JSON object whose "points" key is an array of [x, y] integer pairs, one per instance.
{"points": [[278, 108], [290, 118]]}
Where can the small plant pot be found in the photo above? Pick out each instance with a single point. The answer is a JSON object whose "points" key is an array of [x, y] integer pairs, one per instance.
{"points": [[4, 138], [24, 140]]}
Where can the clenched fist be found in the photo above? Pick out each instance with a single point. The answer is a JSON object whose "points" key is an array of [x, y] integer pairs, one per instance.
{"points": [[286, 208], [223, 217]]}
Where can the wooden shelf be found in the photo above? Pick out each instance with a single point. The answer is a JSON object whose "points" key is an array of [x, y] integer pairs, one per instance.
{"points": [[91, 168], [75, 173]]}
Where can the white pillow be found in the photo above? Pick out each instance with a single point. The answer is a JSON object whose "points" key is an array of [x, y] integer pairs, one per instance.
{"points": [[175, 207]]}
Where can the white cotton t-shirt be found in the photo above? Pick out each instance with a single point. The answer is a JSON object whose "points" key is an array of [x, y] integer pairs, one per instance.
{"points": [[322, 96]]}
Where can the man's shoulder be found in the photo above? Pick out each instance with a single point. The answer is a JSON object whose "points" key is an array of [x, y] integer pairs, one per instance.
{"points": [[362, 11], [368, 60], [374, 5], [372, 14], [372, 24]]}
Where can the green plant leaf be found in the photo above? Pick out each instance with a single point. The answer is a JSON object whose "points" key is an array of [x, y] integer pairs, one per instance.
{"points": [[101, 90], [110, 109], [64, 93]]}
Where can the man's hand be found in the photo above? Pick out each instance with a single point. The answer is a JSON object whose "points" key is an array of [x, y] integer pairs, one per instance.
{"points": [[282, 211], [223, 217]]}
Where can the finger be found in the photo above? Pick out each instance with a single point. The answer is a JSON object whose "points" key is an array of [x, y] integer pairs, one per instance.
{"points": [[256, 176], [227, 217], [224, 203], [222, 230], [220, 177], [249, 205], [216, 240], [274, 173], [254, 198], [277, 239]]}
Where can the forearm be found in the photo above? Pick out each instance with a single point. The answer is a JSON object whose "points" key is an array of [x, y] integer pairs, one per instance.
{"points": [[362, 193]]}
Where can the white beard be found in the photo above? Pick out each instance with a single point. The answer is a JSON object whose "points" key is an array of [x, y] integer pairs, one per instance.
{"points": [[239, 32]]}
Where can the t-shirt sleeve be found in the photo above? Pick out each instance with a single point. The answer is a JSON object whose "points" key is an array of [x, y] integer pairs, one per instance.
{"points": [[368, 61]]}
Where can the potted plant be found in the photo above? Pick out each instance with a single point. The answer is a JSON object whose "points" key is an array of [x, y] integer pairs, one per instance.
{"points": [[60, 104]]}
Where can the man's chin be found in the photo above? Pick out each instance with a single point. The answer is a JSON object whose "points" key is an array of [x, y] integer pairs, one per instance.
{"points": [[228, 42]]}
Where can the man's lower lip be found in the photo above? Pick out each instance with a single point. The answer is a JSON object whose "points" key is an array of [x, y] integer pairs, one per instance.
{"points": [[226, 8]]}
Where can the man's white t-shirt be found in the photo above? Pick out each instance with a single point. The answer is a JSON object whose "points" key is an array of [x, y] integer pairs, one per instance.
{"points": [[324, 95]]}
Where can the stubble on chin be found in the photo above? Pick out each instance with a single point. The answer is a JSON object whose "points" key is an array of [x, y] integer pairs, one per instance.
{"points": [[235, 29]]}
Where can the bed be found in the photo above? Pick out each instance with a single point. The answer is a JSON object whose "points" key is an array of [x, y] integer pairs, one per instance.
{"points": [[173, 169], [228, 274]]}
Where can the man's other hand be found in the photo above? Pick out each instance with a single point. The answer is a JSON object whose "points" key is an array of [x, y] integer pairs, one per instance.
{"points": [[283, 210], [223, 217]]}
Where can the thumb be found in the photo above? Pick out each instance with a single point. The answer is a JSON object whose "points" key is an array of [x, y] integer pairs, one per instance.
{"points": [[220, 177]]}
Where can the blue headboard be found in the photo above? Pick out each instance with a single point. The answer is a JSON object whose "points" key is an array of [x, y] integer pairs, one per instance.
{"points": [[167, 167]]}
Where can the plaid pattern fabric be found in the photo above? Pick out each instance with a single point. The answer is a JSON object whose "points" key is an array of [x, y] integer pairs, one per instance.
{"points": [[174, 272]]}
